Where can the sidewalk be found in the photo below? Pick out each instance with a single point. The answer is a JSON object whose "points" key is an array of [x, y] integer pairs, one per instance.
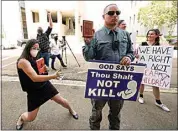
{"points": [[51, 116]]}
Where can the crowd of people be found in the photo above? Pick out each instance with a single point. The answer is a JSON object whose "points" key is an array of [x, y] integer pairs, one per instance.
{"points": [[111, 43]]}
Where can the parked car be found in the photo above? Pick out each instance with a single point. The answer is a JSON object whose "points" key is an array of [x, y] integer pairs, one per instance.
{"points": [[173, 42], [22, 42], [6, 44]]}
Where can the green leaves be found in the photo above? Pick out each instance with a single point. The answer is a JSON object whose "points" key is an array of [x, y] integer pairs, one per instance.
{"points": [[159, 13]]}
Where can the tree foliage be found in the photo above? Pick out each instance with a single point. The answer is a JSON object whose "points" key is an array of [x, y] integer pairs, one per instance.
{"points": [[159, 13]]}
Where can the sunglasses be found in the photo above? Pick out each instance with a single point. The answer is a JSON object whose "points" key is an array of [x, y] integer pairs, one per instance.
{"points": [[111, 13]]}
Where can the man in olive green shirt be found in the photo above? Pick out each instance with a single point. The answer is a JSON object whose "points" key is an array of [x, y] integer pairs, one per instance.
{"points": [[108, 44]]}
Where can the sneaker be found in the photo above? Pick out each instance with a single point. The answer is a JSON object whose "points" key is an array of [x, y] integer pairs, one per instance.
{"points": [[162, 106], [141, 100]]}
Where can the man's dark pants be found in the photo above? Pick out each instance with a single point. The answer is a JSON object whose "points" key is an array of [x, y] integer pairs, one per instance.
{"points": [[113, 117]]}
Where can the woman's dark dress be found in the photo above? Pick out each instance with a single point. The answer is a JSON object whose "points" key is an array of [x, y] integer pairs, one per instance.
{"points": [[37, 92]]}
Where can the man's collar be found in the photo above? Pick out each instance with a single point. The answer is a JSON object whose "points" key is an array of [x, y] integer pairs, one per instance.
{"points": [[109, 30]]}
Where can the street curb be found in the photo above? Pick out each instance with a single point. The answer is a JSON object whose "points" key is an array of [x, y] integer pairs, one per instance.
{"points": [[82, 84]]}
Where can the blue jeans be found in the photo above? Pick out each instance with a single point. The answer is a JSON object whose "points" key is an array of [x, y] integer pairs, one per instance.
{"points": [[46, 57]]}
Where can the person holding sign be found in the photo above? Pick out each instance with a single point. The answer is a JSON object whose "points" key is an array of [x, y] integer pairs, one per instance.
{"points": [[37, 85], [152, 40], [108, 44]]}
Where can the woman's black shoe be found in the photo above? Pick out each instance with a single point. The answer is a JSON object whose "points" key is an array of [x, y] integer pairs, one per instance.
{"points": [[75, 116], [19, 127]]}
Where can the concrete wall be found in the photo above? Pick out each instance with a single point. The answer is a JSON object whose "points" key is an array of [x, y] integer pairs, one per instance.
{"points": [[41, 7], [11, 21]]}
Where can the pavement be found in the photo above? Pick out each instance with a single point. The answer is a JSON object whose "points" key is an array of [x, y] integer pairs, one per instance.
{"points": [[51, 116]]}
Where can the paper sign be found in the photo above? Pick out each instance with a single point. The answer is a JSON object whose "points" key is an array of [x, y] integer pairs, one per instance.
{"points": [[159, 65]]}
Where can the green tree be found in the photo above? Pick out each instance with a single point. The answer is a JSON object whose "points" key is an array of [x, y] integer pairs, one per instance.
{"points": [[159, 13], [171, 16]]}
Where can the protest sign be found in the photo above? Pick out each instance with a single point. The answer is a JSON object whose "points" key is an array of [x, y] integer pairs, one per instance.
{"points": [[113, 81], [159, 65]]}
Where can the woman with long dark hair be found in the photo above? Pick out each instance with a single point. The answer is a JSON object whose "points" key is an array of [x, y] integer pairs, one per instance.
{"points": [[36, 84], [152, 40]]}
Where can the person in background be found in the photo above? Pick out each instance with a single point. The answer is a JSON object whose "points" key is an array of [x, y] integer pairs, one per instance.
{"points": [[163, 40], [43, 40], [38, 87], [55, 52], [153, 39], [122, 24], [108, 44]]}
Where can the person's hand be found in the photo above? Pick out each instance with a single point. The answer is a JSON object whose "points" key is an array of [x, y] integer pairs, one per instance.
{"points": [[88, 39], [137, 56], [46, 68], [49, 14], [125, 61], [57, 74]]}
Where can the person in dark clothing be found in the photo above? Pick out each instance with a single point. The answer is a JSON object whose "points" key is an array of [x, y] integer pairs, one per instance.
{"points": [[55, 52], [43, 40], [37, 86], [108, 44]]}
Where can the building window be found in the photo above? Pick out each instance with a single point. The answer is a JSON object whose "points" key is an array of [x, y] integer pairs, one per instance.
{"points": [[64, 20], [35, 16], [53, 16]]}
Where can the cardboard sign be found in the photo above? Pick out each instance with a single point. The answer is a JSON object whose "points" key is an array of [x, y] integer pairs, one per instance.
{"points": [[159, 65], [87, 28], [113, 81], [41, 66]]}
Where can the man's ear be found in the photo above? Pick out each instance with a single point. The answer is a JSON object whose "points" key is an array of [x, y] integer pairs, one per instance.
{"points": [[103, 16]]}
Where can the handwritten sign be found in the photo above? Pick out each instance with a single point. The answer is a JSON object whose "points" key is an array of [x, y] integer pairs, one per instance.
{"points": [[113, 81], [159, 65]]}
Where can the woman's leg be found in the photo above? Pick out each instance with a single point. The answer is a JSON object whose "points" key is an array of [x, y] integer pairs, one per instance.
{"points": [[60, 100], [140, 99], [156, 93], [141, 89], [27, 116]]}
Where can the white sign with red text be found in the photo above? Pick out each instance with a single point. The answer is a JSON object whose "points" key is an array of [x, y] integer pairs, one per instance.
{"points": [[158, 60]]}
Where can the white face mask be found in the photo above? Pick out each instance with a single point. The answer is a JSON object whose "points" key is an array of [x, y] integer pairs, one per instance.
{"points": [[34, 53]]}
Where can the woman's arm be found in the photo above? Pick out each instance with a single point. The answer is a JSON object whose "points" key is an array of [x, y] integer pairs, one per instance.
{"points": [[27, 68]]}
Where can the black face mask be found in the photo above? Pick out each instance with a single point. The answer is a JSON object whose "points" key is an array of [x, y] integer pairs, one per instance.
{"points": [[55, 38]]}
